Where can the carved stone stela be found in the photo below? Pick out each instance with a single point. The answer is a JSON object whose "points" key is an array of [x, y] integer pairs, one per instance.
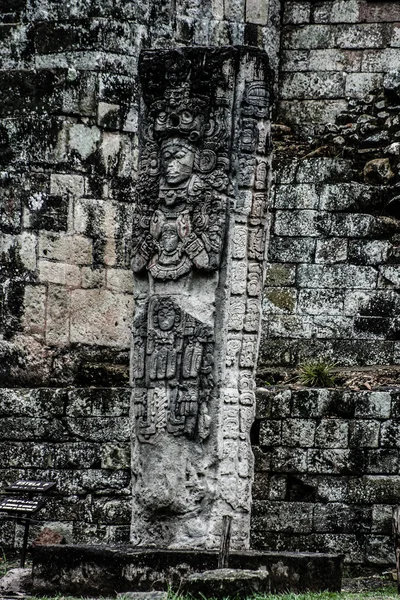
{"points": [[199, 245]]}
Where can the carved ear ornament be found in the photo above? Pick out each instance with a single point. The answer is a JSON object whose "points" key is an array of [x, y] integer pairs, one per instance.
{"points": [[205, 161]]}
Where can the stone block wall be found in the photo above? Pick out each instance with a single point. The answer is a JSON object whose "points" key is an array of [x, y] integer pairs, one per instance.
{"points": [[326, 472], [78, 438], [68, 162], [334, 52], [332, 282]]}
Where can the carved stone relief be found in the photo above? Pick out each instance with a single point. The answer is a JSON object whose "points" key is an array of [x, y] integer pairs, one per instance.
{"points": [[199, 246], [172, 370], [183, 168]]}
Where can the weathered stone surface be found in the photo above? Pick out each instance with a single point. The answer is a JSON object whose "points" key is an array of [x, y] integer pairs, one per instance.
{"points": [[223, 583], [16, 582], [339, 482], [195, 331], [121, 569]]}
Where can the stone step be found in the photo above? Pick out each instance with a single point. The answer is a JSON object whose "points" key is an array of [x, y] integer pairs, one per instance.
{"points": [[223, 583]]}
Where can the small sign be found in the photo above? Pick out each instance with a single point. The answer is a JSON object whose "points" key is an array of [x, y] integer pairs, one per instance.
{"points": [[20, 505], [37, 487]]}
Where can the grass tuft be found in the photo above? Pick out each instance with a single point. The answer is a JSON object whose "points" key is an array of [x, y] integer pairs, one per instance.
{"points": [[317, 373]]}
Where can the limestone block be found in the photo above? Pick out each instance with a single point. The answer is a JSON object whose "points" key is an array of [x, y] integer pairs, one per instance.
{"points": [[115, 456], [332, 433], [373, 405], [34, 309], [324, 170], [352, 225], [298, 432], [364, 434], [328, 461], [332, 489], [280, 274], [281, 404], [359, 85], [277, 487], [62, 183], [332, 250], [362, 35], [57, 321], [16, 582], [61, 273], [390, 435], [307, 403], [292, 326], [355, 301], [234, 10], [321, 302], [309, 36], [297, 12], [95, 217], [110, 252], [379, 550], [120, 280], [297, 222], [83, 139], [110, 148], [332, 327], [101, 317], [302, 196], [342, 518], [295, 61], [339, 11], [374, 13], [291, 250], [333, 59], [382, 516], [257, 12], [222, 583], [270, 433], [389, 275], [287, 460], [304, 86], [27, 243], [383, 460], [31, 402], [380, 60], [342, 196], [311, 111], [293, 517], [374, 489], [113, 402], [93, 278], [73, 249], [99, 429], [279, 300], [336, 276], [33, 428]]}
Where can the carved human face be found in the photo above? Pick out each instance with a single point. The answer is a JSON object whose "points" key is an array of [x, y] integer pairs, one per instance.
{"points": [[177, 158], [169, 239], [166, 318]]}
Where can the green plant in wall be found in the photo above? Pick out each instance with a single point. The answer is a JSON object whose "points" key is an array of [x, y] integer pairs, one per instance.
{"points": [[317, 373]]}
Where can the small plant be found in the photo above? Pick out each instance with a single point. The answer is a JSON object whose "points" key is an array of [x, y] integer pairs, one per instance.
{"points": [[4, 566], [317, 373]]}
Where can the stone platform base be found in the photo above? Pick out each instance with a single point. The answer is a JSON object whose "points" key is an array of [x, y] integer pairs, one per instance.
{"points": [[101, 570], [227, 583]]}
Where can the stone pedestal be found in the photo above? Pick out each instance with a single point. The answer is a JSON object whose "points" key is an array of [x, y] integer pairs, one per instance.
{"points": [[199, 233]]}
